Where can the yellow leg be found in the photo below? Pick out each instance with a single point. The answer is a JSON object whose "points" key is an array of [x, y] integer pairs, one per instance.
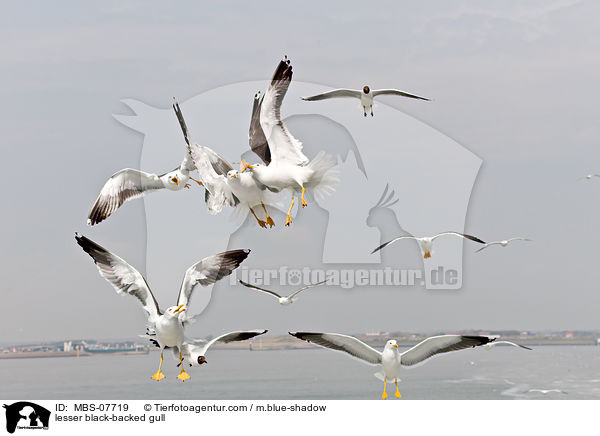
{"points": [[384, 395], [397, 391], [197, 181], [159, 375], [260, 222], [288, 219], [426, 255], [183, 376], [302, 198], [270, 221]]}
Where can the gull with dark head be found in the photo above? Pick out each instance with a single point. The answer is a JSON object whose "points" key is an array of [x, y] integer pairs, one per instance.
{"points": [[283, 300], [284, 164], [365, 96], [165, 329], [426, 243], [391, 359]]}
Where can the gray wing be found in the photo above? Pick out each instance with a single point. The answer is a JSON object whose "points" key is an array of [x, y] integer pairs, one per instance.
{"points": [[256, 135], [283, 145], [440, 344], [462, 235], [122, 186], [347, 344], [248, 285], [122, 276], [377, 92], [385, 244], [293, 294], [336, 93], [210, 270], [218, 162], [194, 350]]}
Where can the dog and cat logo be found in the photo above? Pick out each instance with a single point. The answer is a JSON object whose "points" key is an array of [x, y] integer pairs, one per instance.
{"points": [[26, 415]]}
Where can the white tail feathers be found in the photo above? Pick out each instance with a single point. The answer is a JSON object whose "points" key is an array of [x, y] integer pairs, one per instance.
{"points": [[325, 175]]}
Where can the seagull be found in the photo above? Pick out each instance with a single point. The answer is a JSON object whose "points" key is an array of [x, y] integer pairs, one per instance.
{"points": [[366, 96], [129, 183], [502, 243], [493, 344], [589, 176], [285, 301], [285, 166], [391, 359], [426, 243], [547, 391], [194, 351], [166, 329], [224, 185]]}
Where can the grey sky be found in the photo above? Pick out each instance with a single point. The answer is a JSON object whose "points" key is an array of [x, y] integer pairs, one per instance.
{"points": [[514, 83]]}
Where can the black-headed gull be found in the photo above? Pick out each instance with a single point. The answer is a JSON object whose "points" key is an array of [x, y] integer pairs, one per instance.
{"points": [[365, 96], [391, 359], [166, 329]]}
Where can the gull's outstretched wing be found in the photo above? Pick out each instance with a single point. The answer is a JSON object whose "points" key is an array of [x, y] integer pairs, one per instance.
{"points": [[514, 344], [293, 294], [194, 352], [256, 136], [391, 242], [377, 92], [210, 270], [462, 235], [123, 185], [122, 276], [218, 162], [440, 344], [282, 145], [336, 93], [338, 342], [248, 285]]}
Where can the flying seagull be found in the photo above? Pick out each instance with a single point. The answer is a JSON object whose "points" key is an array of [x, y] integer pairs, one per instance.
{"points": [[502, 243], [589, 176], [285, 166], [224, 185], [547, 391], [391, 359], [285, 301], [426, 243], [129, 183], [366, 96], [166, 328], [194, 351], [493, 344]]}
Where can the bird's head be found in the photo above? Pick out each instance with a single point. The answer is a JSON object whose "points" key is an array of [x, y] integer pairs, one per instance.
{"points": [[174, 311], [366, 89], [201, 360], [232, 174], [391, 344]]}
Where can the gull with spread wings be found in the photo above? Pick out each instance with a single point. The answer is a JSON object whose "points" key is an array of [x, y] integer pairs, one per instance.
{"points": [[284, 301], [166, 329], [390, 358], [365, 96], [426, 243], [502, 243], [285, 165]]}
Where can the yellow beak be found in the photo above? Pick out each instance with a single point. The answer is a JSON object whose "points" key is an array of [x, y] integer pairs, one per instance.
{"points": [[176, 181], [234, 176], [180, 309], [395, 345]]}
